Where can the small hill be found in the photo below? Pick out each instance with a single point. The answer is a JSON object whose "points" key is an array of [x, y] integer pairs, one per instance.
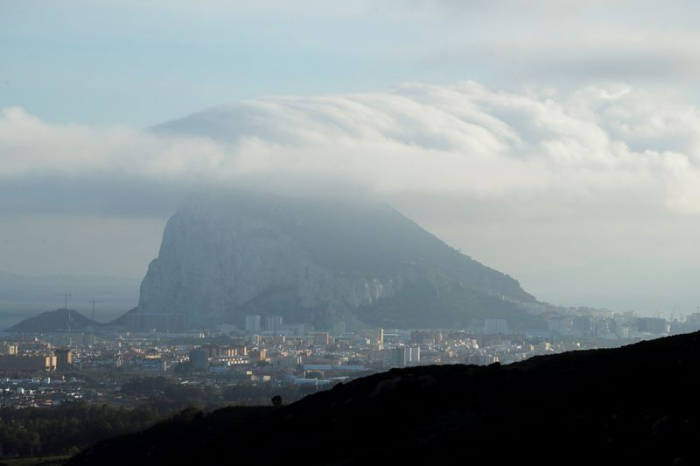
{"points": [[54, 321], [630, 405]]}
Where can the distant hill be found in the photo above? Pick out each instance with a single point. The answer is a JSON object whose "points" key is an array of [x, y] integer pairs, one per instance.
{"points": [[54, 321], [319, 261], [630, 405]]}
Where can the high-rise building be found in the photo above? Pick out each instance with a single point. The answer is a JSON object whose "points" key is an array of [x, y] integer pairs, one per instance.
{"points": [[375, 336], [338, 329], [258, 355], [322, 339], [7, 348], [405, 355], [252, 323], [413, 356], [200, 358], [495, 326], [273, 323], [17, 363], [64, 359], [582, 325], [398, 357], [655, 325]]}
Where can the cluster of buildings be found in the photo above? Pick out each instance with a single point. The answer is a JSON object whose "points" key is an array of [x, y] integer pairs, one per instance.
{"points": [[36, 357], [27, 391], [605, 326], [35, 367]]}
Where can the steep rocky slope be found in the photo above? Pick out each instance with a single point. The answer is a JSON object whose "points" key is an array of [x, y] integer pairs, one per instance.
{"points": [[318, 261]]}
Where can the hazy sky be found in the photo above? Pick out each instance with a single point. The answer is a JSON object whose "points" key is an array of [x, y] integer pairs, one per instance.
{"points": [[557, 141]]}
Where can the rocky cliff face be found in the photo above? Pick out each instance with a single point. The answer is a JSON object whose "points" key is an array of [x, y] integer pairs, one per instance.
{"points": [[317, 262]]}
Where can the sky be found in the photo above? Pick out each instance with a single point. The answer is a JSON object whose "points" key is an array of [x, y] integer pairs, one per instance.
{"points": [[556, 141]]}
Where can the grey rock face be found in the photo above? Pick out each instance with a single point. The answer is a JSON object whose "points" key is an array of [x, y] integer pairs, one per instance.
{"points": [[312, 262]]}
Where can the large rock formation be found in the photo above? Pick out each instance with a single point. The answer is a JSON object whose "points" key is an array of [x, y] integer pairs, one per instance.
{"points": [[317, 261]]}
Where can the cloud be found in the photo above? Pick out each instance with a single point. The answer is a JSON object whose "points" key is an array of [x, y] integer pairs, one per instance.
{"points": [[594, 146], [560, 42], [585, 56], [588, 197], [32, 147], [470, 140]]}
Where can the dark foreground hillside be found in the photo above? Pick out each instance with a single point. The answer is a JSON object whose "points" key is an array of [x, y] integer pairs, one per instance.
{"points": [[635, 405]]}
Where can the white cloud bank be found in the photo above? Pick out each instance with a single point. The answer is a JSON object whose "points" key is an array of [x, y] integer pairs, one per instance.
{"points": [[599, 145], [589, 198]]}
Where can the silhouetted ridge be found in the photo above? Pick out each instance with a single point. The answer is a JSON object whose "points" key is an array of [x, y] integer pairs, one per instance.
{"points": [[632, 405]]}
